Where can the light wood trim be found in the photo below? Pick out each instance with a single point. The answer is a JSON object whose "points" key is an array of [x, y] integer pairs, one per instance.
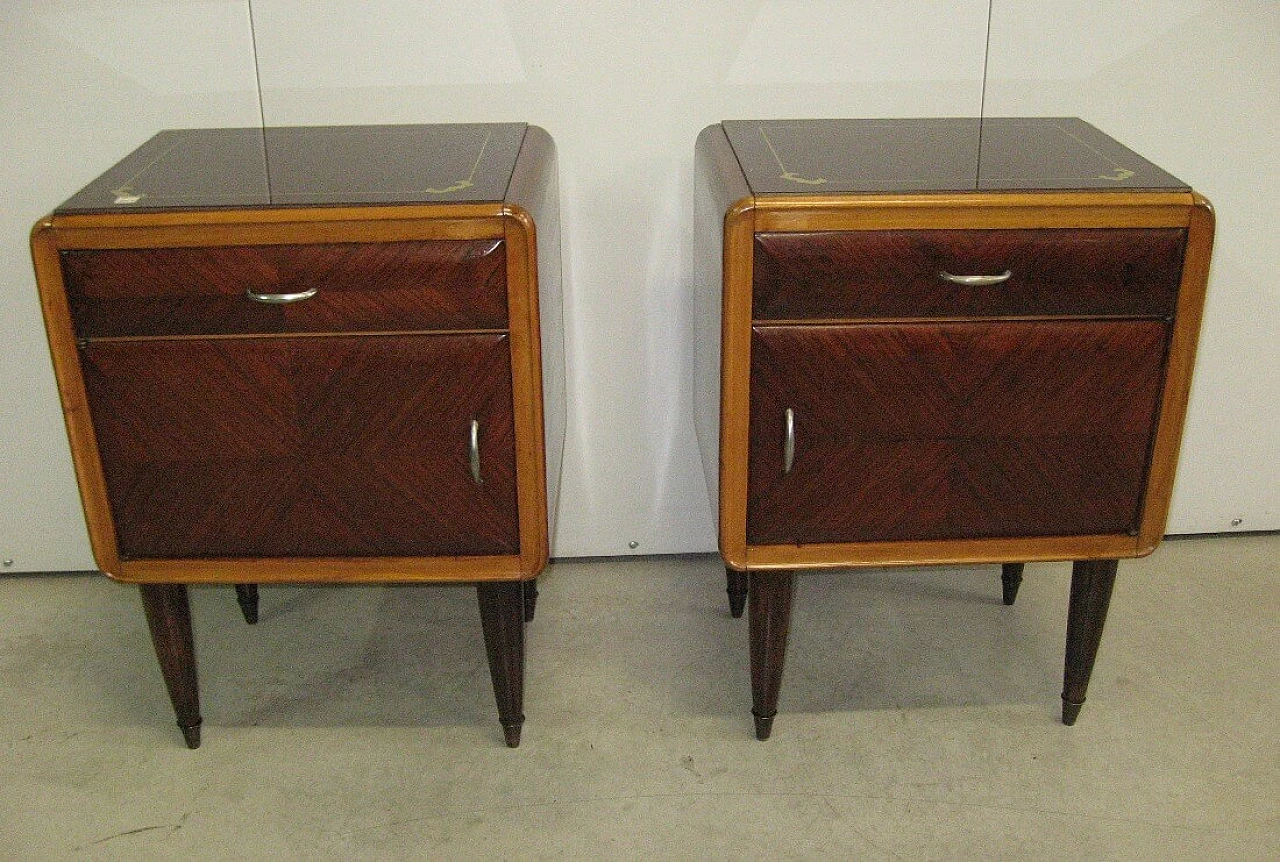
{"points": [[939, 552], [526, 387], [800, 213], [301, 232], [321, 570], [75, 401], [792, 323], [1181, 361], [267, 336], [735, 380]]}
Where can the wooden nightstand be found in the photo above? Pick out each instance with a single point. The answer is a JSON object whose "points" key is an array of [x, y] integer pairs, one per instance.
{"points": [[939, 341], [315, 355]]}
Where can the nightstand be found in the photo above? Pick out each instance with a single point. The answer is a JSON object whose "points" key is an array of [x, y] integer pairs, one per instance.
{"points": [[937, 341], [325, 354]]}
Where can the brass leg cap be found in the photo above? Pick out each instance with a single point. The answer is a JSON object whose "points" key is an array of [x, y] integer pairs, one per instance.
{"points": [[191, 734], [512, 734]]}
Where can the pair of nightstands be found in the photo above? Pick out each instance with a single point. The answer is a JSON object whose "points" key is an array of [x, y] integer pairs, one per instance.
{"points": [[334, 355]]}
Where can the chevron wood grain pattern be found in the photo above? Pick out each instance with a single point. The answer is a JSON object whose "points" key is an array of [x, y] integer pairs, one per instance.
{"points": [[315, 447], [952, 430], [895, 273], [429, 284]]}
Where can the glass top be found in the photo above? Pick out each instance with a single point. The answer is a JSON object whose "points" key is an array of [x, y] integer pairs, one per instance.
{"points": [[937, 155], [309, 166]]}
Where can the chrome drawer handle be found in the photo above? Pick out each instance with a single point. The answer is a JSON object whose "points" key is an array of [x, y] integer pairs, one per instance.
{"points": [[789, 442], [280, 298], [475, 452], [975, 280]]}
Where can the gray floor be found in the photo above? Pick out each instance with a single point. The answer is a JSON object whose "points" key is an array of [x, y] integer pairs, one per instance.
{"points": [[918, 721]]}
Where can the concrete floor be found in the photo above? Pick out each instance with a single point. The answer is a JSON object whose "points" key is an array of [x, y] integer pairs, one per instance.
{"points": [[919, 720]]}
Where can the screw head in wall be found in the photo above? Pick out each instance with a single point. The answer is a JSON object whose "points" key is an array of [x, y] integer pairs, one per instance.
{"points": [[8, 563], [1235, 522], [633, 545]]}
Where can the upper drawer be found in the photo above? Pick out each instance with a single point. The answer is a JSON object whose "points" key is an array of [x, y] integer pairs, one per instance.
{"points": [[359, 287], [903, 273]]}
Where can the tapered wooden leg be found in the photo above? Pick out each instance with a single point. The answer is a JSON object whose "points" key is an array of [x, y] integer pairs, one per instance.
{"points": [[169, 618], [769, 623], [1010, 580], [530, 599], [1091, 585], [737, 590], [502, 612], [247, 596]]}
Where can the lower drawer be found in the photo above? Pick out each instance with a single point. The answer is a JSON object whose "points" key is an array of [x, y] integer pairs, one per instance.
{"points": [[306, 447], [951, 431]]}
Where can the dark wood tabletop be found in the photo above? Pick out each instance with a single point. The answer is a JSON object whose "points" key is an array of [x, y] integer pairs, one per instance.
{"points": [[309, 166], [937, 155]]}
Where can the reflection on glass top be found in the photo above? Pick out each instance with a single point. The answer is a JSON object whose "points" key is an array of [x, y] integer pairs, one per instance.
{"points": [[309, 166], [937, 155]]}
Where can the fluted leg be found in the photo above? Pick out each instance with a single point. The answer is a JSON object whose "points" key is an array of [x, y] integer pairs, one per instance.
{"points": [[1091, 585], [502, 611], [769, 623], [169, 618], [1010, 580], [737, 590], [247, 596], [530, 599]]}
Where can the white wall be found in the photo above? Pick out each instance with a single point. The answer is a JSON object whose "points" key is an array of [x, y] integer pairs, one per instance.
{"points": [[81, 84], [624, 87], [1194, 85]]}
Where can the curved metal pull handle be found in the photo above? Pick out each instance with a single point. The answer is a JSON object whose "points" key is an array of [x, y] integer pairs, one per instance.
{"points": [[475, 452], [280, 298], [975, 280], [789, 441]]}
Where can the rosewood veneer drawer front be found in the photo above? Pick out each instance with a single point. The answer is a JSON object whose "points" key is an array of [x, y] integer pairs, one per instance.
{"points": [[951, 430], [904, 273], [306, 447], [358, 287]]}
